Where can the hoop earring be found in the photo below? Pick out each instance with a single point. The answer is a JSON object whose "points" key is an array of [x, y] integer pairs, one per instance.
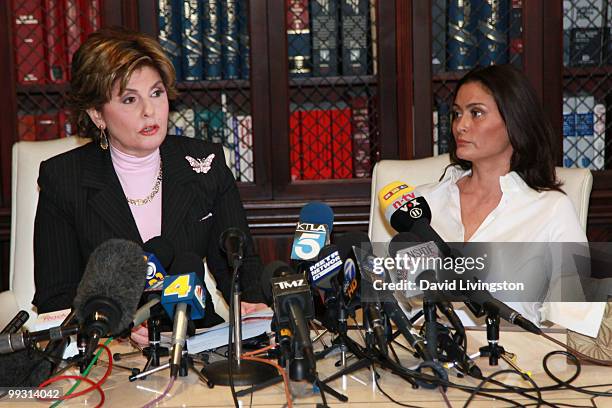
{"points": [[103, 139]]}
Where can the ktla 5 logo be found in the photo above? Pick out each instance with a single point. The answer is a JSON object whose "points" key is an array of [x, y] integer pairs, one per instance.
{"points": [[308, 241]]}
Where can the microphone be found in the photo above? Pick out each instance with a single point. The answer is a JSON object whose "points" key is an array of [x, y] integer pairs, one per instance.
{"points": [[16, 323], [37, 366], [365, 264], [184, 297], [349, 243], [483, 300], [110, 288], [442, 300], [159, 255], [312, 231], [406, 210], [324, 273], [317, 212], [414, 216], [351, 280], [232, 242], [284, 335], [23, 369], [144, 312], [11, 342], [293, 305]]}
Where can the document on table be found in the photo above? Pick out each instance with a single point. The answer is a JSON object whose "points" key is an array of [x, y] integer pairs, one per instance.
{"points": [[253, 324]]}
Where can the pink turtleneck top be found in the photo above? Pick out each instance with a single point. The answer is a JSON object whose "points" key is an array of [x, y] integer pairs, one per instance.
{"points": [[137, 176]]}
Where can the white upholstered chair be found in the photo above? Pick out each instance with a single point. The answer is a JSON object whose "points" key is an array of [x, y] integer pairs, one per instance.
{"points": [[577, 184], [26, 162]]}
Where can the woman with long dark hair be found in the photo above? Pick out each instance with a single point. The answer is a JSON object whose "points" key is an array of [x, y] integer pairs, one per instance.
{"points": [[501, 186]]}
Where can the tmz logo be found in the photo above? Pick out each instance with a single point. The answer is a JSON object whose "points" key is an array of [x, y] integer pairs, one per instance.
{"points": [[396, 190], [296, 283]]}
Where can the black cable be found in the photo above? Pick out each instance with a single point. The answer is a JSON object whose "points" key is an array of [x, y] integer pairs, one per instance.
{"points": [[376, 375], [593, 400], [508, 388], [567, 383], [495, 374], [403, 371]]}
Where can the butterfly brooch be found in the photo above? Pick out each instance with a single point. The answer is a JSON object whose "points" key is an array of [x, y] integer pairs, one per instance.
{"points": [[201, 165]]}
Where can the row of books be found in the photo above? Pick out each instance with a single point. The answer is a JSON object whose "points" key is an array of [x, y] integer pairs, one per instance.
{"points": [[584, 132], [206, 39], [46, 33], [442, 130], [43, 125], [587, 37], [477, 32], [331, 37], [217, 124], [330, 142]]}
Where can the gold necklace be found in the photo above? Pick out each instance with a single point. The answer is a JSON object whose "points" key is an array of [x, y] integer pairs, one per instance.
{"points": [[149, 198]]}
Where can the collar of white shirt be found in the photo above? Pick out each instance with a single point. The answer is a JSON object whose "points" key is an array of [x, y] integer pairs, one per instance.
{"points": [[509, 183]]}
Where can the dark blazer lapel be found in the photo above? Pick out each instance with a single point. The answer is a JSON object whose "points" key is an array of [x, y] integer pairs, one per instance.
{"points": [[178, 194], [109, 201]]}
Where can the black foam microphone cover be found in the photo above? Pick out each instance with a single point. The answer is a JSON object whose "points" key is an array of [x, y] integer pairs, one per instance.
{"points": [[232, 242], [273, 270], [112, 284], [402, 240], [24, 368], [162, 248], [345, 243]]}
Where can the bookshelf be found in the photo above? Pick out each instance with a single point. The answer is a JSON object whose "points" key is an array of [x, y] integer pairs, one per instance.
{"points": [[398, 85], [259, 100], [534, 32]]}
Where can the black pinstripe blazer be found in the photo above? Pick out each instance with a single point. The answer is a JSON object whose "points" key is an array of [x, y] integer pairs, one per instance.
{"points": [[82, 204]]}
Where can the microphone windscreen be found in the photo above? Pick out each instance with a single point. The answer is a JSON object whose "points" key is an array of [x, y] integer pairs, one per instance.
{"points": [[162, 248], [401, 241], [232, 240], [272, 270], [345, 243], [116, 270], [187, 262], [318, 213], [23, 368]]}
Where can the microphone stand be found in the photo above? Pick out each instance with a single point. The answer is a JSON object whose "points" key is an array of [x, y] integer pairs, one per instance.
{"points": [[365, 358], [430, 327], [493, 350], [298, 369], [244, 372], [186, 364], [154, 351]]}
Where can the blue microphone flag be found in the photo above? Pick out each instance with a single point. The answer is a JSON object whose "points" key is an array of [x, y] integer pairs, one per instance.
{"points": [[185, 288]]}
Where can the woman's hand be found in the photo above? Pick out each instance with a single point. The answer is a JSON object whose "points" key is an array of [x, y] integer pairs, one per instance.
{"points": [[140, 335], [246, 308]]}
